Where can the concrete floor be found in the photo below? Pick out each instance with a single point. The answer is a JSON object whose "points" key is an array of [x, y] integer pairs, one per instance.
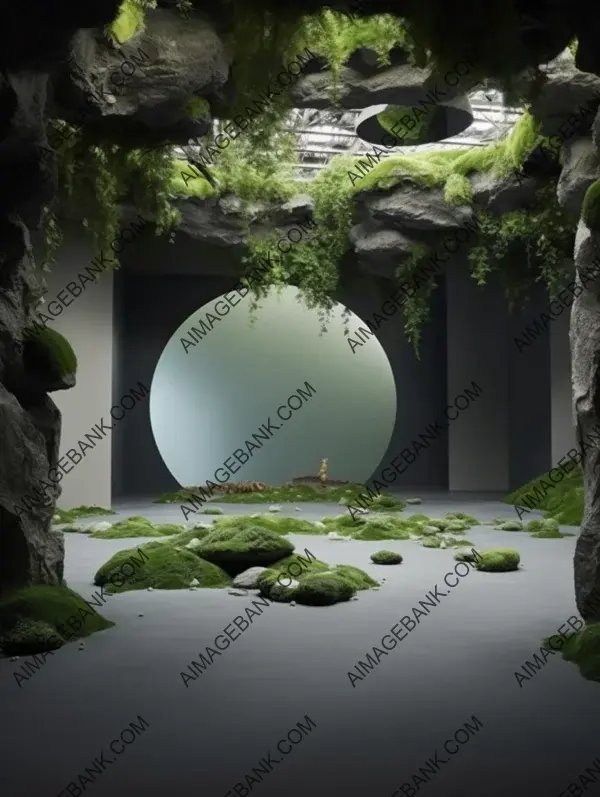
{"points": [[459, 661]]}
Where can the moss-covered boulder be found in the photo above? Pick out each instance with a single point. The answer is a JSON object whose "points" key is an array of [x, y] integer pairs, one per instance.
{"points": [[510, 525], [41, 618], [50, 355], [583, 649], [164, 567], [590, 208], [235, 549], [383, 529], [439, 523], [458, 543], [323, 589], [469, 520], [281, 582], [137, 526], [543, 524], [69, 515], [455, 526], [211, 510], [386, 558], [498, 560], [431, 542]]}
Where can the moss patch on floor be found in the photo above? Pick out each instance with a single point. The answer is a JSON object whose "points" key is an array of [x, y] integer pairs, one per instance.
{"points": [[277, 523], [165, 567], [138, 526], [70, 515], [36, 619], [563, 501]]}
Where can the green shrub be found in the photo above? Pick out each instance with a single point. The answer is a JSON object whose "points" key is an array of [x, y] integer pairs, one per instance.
{"points": [[235, 550], [386, 558], [30, 618], [165, 568], [51, 351], [590, 209], [498, 560]]}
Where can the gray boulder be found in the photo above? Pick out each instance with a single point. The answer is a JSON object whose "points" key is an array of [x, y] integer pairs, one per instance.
{"points": [[249, 578]]}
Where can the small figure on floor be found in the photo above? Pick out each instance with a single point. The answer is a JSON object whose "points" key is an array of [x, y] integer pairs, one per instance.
{"points": [[323, 474]]}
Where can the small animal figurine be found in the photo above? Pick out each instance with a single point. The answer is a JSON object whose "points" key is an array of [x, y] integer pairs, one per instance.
{"points": [[323, 472]]}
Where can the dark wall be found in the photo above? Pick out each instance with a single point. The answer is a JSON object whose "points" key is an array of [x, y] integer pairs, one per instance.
{"points": [[150, 307]]}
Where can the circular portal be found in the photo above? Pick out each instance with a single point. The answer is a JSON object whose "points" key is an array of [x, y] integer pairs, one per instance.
{"points": [[267, 402]]}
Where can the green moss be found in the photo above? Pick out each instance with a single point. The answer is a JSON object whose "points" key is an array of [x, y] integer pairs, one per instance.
{"points": [[356, 577], [386, 558], [543, 524], [51, 350], [26, 616], [212, 510], [590, 209], [562, 502], [30, 636], [498, 560], [392, 118], [451, 543], [583, 649], [165, 568], [176, 496], [235, 550], [277, 523], [511, 525], [550, 534], [383, 529], [457, 525], [183, 538], [197, 108], [469, 520], [307, 564], [294, 494], [69, 515], [130, 19], [137, 527], [323, 590], [432, 542], [438, 523], [386, 501], [186, 181]]}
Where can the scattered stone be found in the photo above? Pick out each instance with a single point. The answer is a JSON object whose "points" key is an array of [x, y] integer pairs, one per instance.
{"points": [[412, 500], [202, 526], [249, 578], [443, 544], [238, 593], [320, 525], [80, 649], [101, 526], [354, 598], [193, 544], [194, 583], [274, 508], [255, 515], [150, 589], [140, 615], [292, 585], [297, 509], [192, 589], [14, 658], [292, 603], [376, 589], [343, 501], [333, 535]]}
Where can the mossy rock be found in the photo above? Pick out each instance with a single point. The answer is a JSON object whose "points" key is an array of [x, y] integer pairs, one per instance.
{"points": [[30, 637], [439, 523], [432, 542], [373, 531], [590, 209], [355, 576], [387, 501], [429, 531], [198, 108], [465, 556], [543, 524], [464, 517], [550, 534], [137, 527], [456, 526], [386, 558], [50, 353], [165, 568], [344, 522], [583, 649], [235, 550], [319, 589], [30, 618], [185, 537], [212, 510], [459, 543], [511, 525], [498, 560]]}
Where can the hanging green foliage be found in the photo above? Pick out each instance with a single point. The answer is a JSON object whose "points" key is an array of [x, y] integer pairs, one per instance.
{"points": [[130, 19]]}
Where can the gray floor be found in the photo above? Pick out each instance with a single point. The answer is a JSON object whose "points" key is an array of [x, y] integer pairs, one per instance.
{"points": [[293, 661]]}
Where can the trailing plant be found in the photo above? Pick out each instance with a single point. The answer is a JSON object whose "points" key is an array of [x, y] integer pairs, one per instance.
{"points": [[197, 108]]}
